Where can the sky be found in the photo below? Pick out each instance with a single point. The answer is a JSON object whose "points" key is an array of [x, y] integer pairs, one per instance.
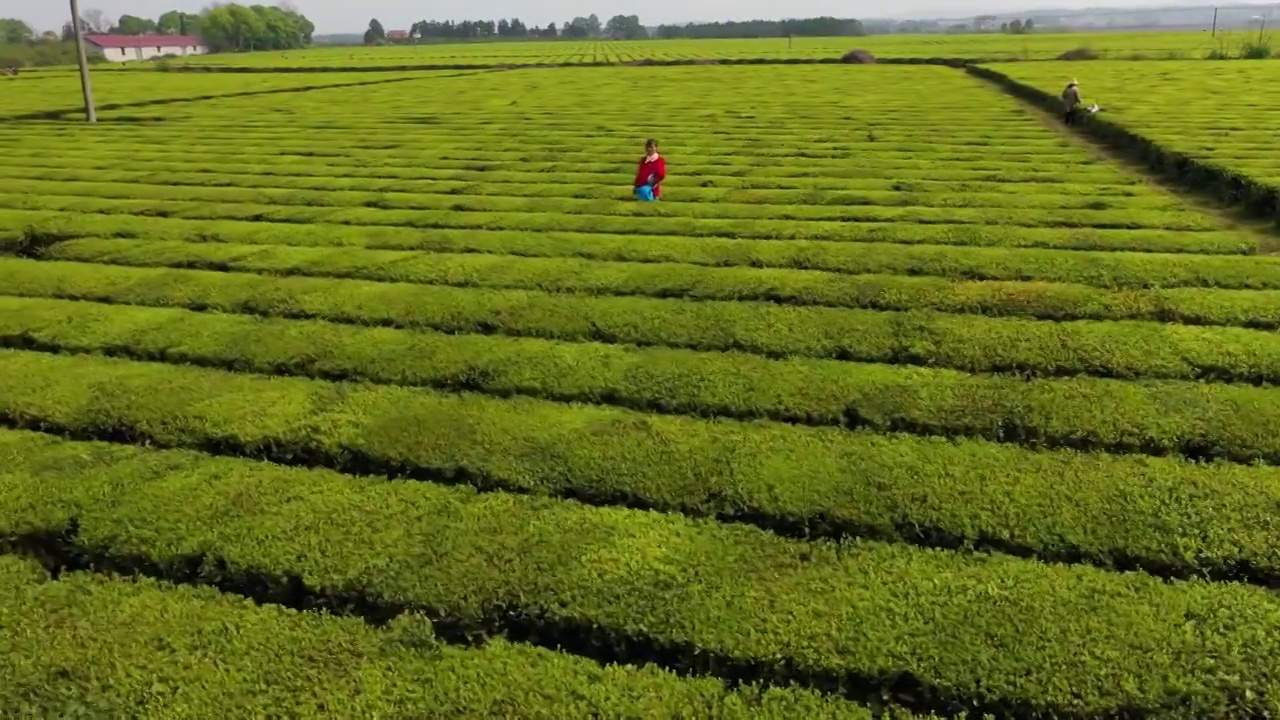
{"points": [[344, 16]]}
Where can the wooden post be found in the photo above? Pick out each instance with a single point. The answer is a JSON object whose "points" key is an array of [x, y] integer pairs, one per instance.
{"points": [[89, 113]]}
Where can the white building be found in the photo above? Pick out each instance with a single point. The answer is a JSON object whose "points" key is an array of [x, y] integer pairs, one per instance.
{"points": [[123, 48]]}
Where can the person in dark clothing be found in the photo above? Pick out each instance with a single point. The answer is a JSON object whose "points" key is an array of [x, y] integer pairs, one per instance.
{"points": [[650, 174], [1070, 102]]}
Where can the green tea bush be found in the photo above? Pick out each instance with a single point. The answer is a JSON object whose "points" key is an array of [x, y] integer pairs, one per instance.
{"points": [[792, 478], [163, 651], [692, 594]]}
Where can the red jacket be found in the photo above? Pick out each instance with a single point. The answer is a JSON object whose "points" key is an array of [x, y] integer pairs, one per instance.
{"points": [[657, 168]]}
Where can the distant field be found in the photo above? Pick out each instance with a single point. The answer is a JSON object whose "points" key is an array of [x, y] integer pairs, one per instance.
{"points": [[1226, 112], [60, 92], [1034, 46], [1141, 45]]}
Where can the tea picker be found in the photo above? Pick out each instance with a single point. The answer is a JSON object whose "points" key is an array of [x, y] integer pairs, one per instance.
{"points": [[1071, 103], [650, 174]]}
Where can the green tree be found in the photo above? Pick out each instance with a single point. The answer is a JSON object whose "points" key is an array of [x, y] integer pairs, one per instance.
{"points": [[805, 27], [133, 25], [625, 27], [175, 22], [236, 28], [278, 31], [1015, 27], [306, 29], [20, 46], [375, 34], [94, 20], [15, 32], [232, 28], [579, 27]]}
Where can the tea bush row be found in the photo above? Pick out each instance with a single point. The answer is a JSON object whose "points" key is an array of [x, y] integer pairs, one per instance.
{"points": [[292, 226], [564, 208], [651, 316], [1020, 637], [781, 199], [1166, 516], [1125, 350], [159, 650], [1114, 269]]}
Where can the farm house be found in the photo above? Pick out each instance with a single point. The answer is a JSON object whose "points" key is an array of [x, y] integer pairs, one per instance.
{"points": [[123, 48]]}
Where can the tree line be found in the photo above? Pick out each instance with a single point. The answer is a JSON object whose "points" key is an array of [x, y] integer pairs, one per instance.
{"points": [[470, 29], [222, 28], [236, 28], [21, 46], [1018, 27], [806, 27], [170, 23], [619, 27]]}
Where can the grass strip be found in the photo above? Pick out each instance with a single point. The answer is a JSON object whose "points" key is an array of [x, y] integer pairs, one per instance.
{"points": [[340, 174], [597, 191], [1108, 269], [1055, 301], [701, 153], [568, 275], [533, 313], [460, 215], [953, 632], [112, 647], [506, 365], [1198, 421], [18, 223], [614, 207], [911, 173], [1165, 516], [699, 143]]}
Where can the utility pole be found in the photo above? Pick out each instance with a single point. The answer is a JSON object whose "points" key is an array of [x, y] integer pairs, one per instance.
{"points": [[1215, 23], [90, 114]]}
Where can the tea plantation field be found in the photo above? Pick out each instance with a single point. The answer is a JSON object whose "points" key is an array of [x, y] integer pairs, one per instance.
{"points": [[57, 94], [1040, 46], [384, 399], [1222, 112]]}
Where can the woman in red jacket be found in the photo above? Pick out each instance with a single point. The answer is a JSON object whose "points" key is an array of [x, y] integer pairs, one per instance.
{"points": [[651, 173]]}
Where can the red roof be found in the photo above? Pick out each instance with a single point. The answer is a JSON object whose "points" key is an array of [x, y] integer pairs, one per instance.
{"points": [[397, 34], [141, 41]]}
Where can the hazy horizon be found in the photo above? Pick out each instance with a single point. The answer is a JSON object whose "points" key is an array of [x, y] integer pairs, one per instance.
{"points": [[331, 16]]}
